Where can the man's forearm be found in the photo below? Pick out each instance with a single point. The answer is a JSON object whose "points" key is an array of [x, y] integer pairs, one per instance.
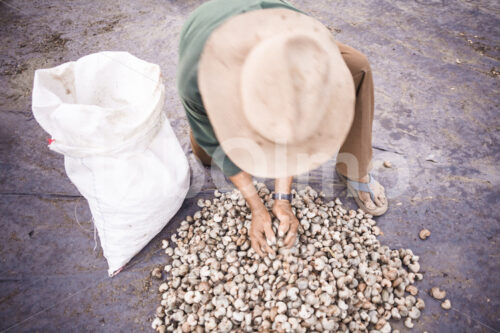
{"points": [[243, 182], [283, 185], [282, 209]]}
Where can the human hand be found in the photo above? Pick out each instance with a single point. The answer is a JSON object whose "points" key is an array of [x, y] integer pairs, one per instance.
{"points": [[288, 221], [261, 231]]}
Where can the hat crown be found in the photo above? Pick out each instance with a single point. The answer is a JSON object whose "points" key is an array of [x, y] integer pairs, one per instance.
{"points": [[241, 98], [285, 87]]}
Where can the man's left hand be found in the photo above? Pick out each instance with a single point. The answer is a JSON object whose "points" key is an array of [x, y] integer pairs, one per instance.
{"points": [[288, 222]]}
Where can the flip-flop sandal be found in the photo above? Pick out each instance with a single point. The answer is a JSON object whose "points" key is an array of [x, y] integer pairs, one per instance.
{"points": [[353, 187]]}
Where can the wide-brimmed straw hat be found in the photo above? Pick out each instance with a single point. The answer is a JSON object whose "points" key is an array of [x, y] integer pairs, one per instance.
{"points": [[277, 92]]}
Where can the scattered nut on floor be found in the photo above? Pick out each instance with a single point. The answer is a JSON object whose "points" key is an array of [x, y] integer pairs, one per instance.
{"points": [[156, 273], [438, 293], [337, 276], [412, 290], [388, 164], [424, 233], [409, 323], [446, 304]]}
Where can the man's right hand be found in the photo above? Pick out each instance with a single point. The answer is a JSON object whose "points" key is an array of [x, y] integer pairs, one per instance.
{"points": [[260, 228], [261, 231]]}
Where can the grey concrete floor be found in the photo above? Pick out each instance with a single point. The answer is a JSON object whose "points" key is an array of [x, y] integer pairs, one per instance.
{"points": [[436, 67]]}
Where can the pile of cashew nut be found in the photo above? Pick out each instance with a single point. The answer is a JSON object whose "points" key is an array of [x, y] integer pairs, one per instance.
{"points": [[337, 277]]}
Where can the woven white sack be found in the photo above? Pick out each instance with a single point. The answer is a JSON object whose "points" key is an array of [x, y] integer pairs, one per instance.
{"points": [[104, 113]]}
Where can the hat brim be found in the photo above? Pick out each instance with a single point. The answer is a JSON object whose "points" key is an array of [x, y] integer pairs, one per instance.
{"points": [[219, 75]]}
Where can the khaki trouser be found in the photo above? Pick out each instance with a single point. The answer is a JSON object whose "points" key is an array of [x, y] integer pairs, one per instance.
{"points": [[199, 152], [355, 155], [353, 160]]}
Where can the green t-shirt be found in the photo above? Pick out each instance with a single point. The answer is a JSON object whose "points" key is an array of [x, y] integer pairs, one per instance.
{"points": [[194, 35]]}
